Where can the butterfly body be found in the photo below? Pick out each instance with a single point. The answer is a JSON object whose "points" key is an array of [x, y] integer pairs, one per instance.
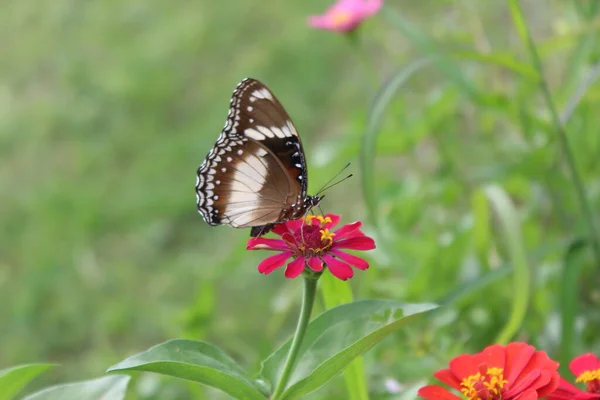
{"points": [[255, 175]]}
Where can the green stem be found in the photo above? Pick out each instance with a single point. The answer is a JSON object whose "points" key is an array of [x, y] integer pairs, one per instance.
{"points": [[363, 59], [308, 300], [523, 28]]}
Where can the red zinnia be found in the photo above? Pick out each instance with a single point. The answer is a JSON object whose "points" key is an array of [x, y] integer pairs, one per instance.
{"points": [[514, 371], [586, 368], [311, 245]]}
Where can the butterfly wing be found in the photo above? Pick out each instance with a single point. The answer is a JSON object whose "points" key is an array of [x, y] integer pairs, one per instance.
{"points": [[257, 114], [256, 172]]}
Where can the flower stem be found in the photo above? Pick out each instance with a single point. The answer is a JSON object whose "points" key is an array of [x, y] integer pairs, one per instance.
{"points": [[308, 300], [586, 209]]}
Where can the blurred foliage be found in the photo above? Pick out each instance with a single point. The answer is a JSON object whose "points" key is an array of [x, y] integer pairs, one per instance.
{"points": [[107, 109]]}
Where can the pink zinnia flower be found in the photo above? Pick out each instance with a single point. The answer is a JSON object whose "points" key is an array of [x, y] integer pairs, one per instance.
{"points": [[511, 372], [345, 15], [310, 244], [586, 368]]}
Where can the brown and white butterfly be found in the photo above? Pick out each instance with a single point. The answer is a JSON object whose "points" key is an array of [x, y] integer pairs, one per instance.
{"points": [[255, 175]]}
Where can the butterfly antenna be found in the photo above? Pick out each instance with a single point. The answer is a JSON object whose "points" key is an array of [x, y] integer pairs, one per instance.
{"points": [[329, 185], [334, 184]]}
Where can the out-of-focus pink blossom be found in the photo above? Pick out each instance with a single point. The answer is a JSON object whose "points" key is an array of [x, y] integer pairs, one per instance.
{"points": [[345, 15]]}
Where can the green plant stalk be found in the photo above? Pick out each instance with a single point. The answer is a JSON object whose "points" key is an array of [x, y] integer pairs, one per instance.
{"points": [[570, 298], [308, 301], [364, 59], [511, 230], [525, 34]]}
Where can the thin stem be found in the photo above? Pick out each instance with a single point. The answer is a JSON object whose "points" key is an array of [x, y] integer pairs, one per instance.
{"points": [[560, 129], [363, 58], [308, 300]]}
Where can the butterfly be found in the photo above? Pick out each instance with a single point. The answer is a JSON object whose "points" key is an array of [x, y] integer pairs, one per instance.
{"points": [[255, 175]]}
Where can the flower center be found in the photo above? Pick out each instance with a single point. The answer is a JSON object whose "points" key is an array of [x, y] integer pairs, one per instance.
{"points": [[314, 238], [591, 380], [341, 17], [487, 384]]}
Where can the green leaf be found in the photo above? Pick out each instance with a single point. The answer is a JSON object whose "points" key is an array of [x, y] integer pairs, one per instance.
{"points": [[335, 293], [507, 61], [195, 361], [337, 337], [13, 379], [105, 388]]}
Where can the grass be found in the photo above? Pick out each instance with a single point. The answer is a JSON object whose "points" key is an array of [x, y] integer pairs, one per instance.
{"points": [[107, 109]]}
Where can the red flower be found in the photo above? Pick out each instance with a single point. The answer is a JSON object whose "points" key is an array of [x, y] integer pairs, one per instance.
{"points": [[311, 245], [586, 368], [345, 15], [511, 372]]}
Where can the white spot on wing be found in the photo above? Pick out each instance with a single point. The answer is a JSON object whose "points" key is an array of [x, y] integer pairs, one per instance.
{"points": [[291, 129], [265, 131], [278, 132], [254, 134], [262, 94]]}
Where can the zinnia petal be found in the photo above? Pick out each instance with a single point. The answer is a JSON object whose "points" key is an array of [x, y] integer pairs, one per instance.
{"points": [[529, 395], [338, 268], [551, 385], [335, 219], [446, 376], [295, 267], [565, 391], [433, 392], [280, 229], [261, 243], [523, 384], [271, 263], [494, 356], [319, 21], [537, 361], [347, 229], [315, 264], [355, 243], [517, 357], [295, 225], [463, 366], [350, 259], [583, 363], [371, 7]]}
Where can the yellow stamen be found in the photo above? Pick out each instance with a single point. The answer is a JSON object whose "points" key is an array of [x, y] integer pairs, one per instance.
{"points": [[327, 236], [588, 376], [493, 381], [322, 220]]}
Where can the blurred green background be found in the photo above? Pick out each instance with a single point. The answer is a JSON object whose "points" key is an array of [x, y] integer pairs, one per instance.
{"points": [[107, 109]]}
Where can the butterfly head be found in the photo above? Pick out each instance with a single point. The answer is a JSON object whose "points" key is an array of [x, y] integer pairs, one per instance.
{"points": [[312, 201]]}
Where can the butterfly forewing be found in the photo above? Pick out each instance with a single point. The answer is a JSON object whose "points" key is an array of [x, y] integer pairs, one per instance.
{"points": [[257, 114], [256, 173]]}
